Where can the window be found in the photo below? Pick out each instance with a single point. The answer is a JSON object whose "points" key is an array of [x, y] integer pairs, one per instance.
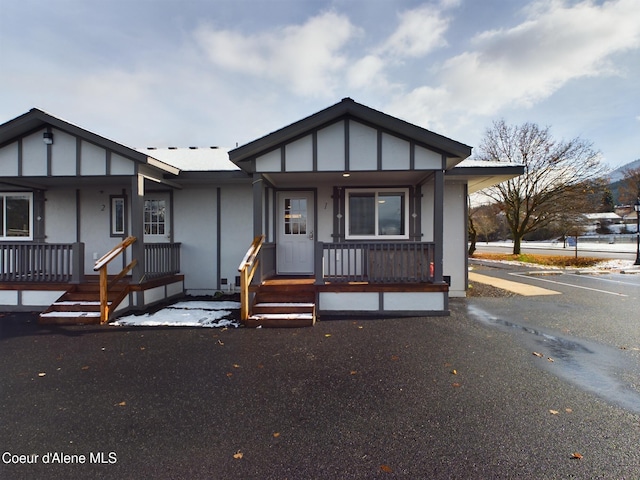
{"points": [[16, 216], [118, 218], [295, 216], [154, 217], [372, 214]]}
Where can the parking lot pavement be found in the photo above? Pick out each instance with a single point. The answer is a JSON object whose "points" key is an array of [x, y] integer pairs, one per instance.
{"points": [[437, 397]]}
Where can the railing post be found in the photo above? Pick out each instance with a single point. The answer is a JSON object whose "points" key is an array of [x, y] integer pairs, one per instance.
{"points": [[244, 294], [77, 266], [104, 295], [318, 263]]}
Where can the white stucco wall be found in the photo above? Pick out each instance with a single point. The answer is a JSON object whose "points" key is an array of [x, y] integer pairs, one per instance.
{"points": [[237, 228], [455, 237], [60, 216], [194, 222]]}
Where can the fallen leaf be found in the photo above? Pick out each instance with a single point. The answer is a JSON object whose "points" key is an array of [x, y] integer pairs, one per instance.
{"points": [[454, 372], [121, 404], [568, 410], [41, 374], [360, 327], [260, 365], [143, 348], [238, 455], [386, 468], [327, 335], [554, 412], [235, 365], [455, 385], [576, 456], [448, 364], [86, 367], [537, 354], [229, 374], [354, 372], [220, 342], [395, 358], [550, 359], [276, 434]]}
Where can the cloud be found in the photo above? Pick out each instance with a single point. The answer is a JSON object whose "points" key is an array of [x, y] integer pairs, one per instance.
{"points": [[420, 31], [519, 66], [307, 57]]}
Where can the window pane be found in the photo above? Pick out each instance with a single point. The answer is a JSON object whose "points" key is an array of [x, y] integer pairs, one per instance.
{"points": [[154, 221], [2, 234], [391, 214], [295, 216], [18, 224], [362, 214], [118, 216]]}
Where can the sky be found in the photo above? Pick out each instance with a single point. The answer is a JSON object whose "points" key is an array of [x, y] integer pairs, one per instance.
{"points": [[225, 72]]}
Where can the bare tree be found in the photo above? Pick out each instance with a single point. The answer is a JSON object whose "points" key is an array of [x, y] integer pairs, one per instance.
{"points": [[558, 177]]}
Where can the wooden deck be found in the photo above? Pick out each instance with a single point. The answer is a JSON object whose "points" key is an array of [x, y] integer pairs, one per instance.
{"points": [[286, 301], [80, 304]]}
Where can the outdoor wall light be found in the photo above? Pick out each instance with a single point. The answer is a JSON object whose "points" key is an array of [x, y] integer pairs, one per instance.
{"points": [[47, 137], [346, 174]]}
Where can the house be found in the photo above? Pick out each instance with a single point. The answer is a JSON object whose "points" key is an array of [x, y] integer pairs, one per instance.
{"points": [[347, 211]]}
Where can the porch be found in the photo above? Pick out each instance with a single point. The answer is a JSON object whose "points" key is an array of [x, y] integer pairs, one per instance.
{"points": [[352, 278], [51, 278]]}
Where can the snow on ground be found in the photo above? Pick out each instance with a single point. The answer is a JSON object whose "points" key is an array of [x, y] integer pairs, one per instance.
{"points": [[211, 314]]}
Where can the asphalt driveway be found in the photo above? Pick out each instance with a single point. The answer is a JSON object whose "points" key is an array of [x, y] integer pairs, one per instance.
{"points": [[419, 398]]}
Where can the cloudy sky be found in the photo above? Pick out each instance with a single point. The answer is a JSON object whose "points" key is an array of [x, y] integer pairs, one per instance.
{"points": [[220, 72]]}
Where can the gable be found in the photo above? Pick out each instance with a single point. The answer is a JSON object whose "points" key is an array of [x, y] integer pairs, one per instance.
{"points": [[349, 136], [68, 151], [347, 145]]}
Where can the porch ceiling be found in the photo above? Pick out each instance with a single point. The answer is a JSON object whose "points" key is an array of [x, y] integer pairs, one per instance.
{"points": [[355, 178]]}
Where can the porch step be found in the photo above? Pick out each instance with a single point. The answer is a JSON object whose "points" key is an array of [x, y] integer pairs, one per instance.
{"points": [[284, 303], [281, 320], [80, 305]]}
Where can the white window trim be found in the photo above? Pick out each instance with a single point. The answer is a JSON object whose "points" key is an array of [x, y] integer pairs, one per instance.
{"points": [[377, 191], [4, 217]]}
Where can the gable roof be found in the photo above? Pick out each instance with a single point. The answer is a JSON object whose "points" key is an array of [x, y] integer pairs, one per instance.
{"points": [[452, 149], [35, 119]]}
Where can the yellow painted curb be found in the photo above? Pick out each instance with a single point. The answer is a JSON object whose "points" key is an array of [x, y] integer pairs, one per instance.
{"points": [[515, 287]]}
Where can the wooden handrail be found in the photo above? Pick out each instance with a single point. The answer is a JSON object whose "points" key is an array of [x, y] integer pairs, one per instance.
{"points": [[247, 270], [101, 264]]}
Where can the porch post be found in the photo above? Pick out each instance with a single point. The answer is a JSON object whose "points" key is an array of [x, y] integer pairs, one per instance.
{"points": [[137, 227], [77, 266], [438, 223], [258, 207]]}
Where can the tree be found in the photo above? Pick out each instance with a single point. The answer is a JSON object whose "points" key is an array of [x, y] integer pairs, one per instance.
{"points": [[558, 178]]}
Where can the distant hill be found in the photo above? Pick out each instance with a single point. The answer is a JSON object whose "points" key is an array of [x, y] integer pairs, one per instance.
{"points": [[618, 173], [617, 176]]}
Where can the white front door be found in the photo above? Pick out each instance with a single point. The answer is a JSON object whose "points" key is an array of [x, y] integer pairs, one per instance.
{"points": [[157, 218], [295, 242]]}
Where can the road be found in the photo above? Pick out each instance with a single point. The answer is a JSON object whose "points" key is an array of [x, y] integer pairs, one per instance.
{"points": [[589, 327], [625, 251]]}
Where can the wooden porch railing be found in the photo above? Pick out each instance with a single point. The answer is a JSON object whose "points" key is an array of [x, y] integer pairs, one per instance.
{"points": [[375, 262], [247, 270], [41, 262], [102, 264], [161, 259]]}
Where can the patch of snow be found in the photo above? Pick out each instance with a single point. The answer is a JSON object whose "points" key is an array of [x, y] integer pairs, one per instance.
{"points": [[186, 314]]}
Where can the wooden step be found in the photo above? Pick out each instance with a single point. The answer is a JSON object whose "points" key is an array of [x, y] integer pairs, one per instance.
{"points": [[281, 320], [69, 318], [283, 307]]}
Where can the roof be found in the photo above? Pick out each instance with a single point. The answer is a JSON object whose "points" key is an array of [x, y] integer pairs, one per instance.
{"points": [[194, 159], [351, 109], [481, 174]]}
